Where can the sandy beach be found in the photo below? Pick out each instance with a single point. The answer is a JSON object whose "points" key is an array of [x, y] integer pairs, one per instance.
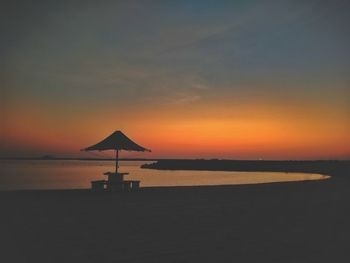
{"points": [[279, 222]]}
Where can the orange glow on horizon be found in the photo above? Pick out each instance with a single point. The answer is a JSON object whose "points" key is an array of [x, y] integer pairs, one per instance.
{"points": [[242, 132]]}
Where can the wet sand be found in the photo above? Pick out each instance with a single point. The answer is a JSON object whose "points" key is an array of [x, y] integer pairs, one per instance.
{"points": [[279, 222]]}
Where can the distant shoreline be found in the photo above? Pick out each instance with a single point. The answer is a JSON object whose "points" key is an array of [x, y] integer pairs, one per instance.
{"points": [[72, 159], [320, 167], [325, 167]]}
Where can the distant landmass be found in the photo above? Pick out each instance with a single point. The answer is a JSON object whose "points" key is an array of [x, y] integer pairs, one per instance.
{"points": [[324, 167]]}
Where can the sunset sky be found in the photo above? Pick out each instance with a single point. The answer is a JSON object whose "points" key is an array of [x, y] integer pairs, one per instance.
{"points": [[189, 79]]}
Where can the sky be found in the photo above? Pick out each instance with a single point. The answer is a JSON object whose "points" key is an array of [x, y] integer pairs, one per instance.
{"points": [[187, 79]]}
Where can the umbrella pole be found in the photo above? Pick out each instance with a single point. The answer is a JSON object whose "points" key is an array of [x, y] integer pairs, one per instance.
{"points": [[116, 161]]}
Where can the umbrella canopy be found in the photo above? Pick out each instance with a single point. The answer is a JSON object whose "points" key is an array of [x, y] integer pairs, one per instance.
{"points": [[116, 141]]}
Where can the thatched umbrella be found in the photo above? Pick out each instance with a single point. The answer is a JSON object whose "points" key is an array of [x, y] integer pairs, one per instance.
{"points": [[116, 141]]}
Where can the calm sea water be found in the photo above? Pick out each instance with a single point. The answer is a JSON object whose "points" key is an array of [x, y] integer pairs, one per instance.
{"points": [[78, 174]]}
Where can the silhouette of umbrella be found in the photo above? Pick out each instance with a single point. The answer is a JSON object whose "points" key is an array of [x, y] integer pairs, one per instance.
{"points": [[116, 141]]}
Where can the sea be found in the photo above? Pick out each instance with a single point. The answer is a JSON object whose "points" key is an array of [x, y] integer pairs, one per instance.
{"points": [[75, 174]]}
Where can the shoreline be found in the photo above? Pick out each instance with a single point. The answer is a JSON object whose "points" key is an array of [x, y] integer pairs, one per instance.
{"points": [[171, 188]]}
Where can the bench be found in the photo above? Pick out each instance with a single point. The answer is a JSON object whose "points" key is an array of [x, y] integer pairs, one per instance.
{"points": [[98, 186], [131, 185], [115, 186], [135, 185]]}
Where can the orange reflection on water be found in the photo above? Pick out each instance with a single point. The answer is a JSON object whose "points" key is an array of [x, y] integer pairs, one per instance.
{"points": [[79, 174]]}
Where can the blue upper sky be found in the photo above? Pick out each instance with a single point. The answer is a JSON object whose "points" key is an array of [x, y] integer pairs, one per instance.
{"points": [[217, 44]]}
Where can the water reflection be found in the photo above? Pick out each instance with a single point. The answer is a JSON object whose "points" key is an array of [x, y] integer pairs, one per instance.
{"points": [[78, 174]]}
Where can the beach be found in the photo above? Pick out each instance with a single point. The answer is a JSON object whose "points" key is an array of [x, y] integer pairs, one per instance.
{"points": [[278, 222]]}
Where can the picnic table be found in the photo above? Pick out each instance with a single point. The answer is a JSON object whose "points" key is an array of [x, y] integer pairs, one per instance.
{"points": [[115, 183]]}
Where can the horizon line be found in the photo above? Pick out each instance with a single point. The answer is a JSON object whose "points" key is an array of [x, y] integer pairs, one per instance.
{"points": [[49, 158]]}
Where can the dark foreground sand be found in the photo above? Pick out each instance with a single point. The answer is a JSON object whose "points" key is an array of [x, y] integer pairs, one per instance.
{"points": [[284, 222]]}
